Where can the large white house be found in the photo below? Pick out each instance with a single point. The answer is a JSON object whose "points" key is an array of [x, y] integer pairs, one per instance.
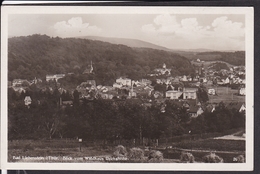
{"points": [[189, 93], [55, 77], [124, 81], [172, 94]]}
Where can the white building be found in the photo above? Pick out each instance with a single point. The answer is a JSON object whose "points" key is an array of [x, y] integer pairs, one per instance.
{"points": [[117, 85], [212, 91], [172, 94], [124, 81], [189, 93], [55, 77], [242, 91], [27, 100]]}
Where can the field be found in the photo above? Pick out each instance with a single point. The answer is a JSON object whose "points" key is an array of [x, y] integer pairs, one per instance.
{"points": [[69, 151], [225, 94]]}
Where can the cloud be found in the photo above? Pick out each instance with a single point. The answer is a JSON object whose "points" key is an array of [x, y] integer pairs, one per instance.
{"points": [[163, 24], [75, 27], [217, 33], [226, 28]]}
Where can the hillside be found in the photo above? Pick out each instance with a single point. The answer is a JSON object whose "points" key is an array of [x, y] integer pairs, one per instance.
{"points": [[234, 58], [38, 55], [128, 42]]}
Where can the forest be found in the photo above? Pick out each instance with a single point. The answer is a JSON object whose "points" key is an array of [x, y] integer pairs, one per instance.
{"points": [[236, 58], [39, 55]]}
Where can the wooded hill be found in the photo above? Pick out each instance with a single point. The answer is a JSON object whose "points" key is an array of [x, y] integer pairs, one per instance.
{"points": [[236, 58], [39, 55]]}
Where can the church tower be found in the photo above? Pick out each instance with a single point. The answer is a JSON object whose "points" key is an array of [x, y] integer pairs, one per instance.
{"points": [[164, 66]]}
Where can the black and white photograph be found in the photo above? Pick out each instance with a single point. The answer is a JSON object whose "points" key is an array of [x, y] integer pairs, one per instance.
{"points": [[123, 87]]}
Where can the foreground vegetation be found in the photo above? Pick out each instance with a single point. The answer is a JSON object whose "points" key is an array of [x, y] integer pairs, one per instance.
{"points": [[72, 151]]}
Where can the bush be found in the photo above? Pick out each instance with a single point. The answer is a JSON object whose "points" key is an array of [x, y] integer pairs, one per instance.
{"points": [[136, 154], [239, 159], [28, 147], [212, 158], [120, 151], [155, 156], [187, 157]]}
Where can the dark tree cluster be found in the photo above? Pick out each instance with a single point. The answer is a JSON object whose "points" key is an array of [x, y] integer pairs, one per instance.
{"points": [[234, 58], [108, 120], [220, 120]]}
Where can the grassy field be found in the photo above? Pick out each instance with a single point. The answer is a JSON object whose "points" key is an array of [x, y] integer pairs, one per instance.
{"points": [[60, 151], [225, 94]]}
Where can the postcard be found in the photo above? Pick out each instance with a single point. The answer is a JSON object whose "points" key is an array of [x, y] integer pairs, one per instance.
{"points": [[127, 88]]}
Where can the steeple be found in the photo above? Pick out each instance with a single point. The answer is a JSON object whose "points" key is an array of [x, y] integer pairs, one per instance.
{"points": [[164, 66], [91, 67]]}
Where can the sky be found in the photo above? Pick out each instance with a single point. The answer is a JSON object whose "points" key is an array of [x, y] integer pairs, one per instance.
{"points": [[174, 31]]}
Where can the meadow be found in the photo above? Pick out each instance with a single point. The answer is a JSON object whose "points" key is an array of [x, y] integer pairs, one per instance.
{"points": [[63, 151], [225, 94]]}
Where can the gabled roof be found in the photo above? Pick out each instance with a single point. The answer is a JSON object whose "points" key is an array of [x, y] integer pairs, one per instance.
{"points": [[27, 98], [234, 105]]}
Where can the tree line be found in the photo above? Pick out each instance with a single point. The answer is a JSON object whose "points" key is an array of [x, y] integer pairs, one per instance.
{"points": [[109, 120]]}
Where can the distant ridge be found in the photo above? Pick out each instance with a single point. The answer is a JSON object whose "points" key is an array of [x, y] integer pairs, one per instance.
{"points": [[128, 42]]}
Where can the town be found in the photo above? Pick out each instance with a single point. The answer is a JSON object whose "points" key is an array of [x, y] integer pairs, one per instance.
{"points": [[197, 93]]}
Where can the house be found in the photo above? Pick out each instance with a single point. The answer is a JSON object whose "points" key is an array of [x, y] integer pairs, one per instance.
{"points": [[19, 89], [143, 91], [172, 94], [20, 82], [55, 77], [157, 94], [27, 100], [163, 70], [210, 108], [212, 91], [189, 93], [107, 88], [226, 81], [184, 79], [61, 90], [242, 91], [132, 93], [99, 87], [238, 106], [66, 103], [145, 82], [117, 85], [195, 111], [91, 82], [35, 81], [124, 81], [188, 103]]}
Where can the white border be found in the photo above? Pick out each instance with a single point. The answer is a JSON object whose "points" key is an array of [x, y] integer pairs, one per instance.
{"points": [[248, 11]]}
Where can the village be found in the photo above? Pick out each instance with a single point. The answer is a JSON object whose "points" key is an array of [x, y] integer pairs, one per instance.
{"points": [[197, 94]]}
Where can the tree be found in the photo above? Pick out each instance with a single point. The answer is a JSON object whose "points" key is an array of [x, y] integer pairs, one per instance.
{"points": [[76, 97]]}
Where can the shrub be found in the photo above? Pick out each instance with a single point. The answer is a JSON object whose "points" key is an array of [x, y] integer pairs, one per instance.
{"points": [[120, 151], [136, 154], [239, 159], [155, 156], [212, 158], [28, 147], [187, 157]]}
